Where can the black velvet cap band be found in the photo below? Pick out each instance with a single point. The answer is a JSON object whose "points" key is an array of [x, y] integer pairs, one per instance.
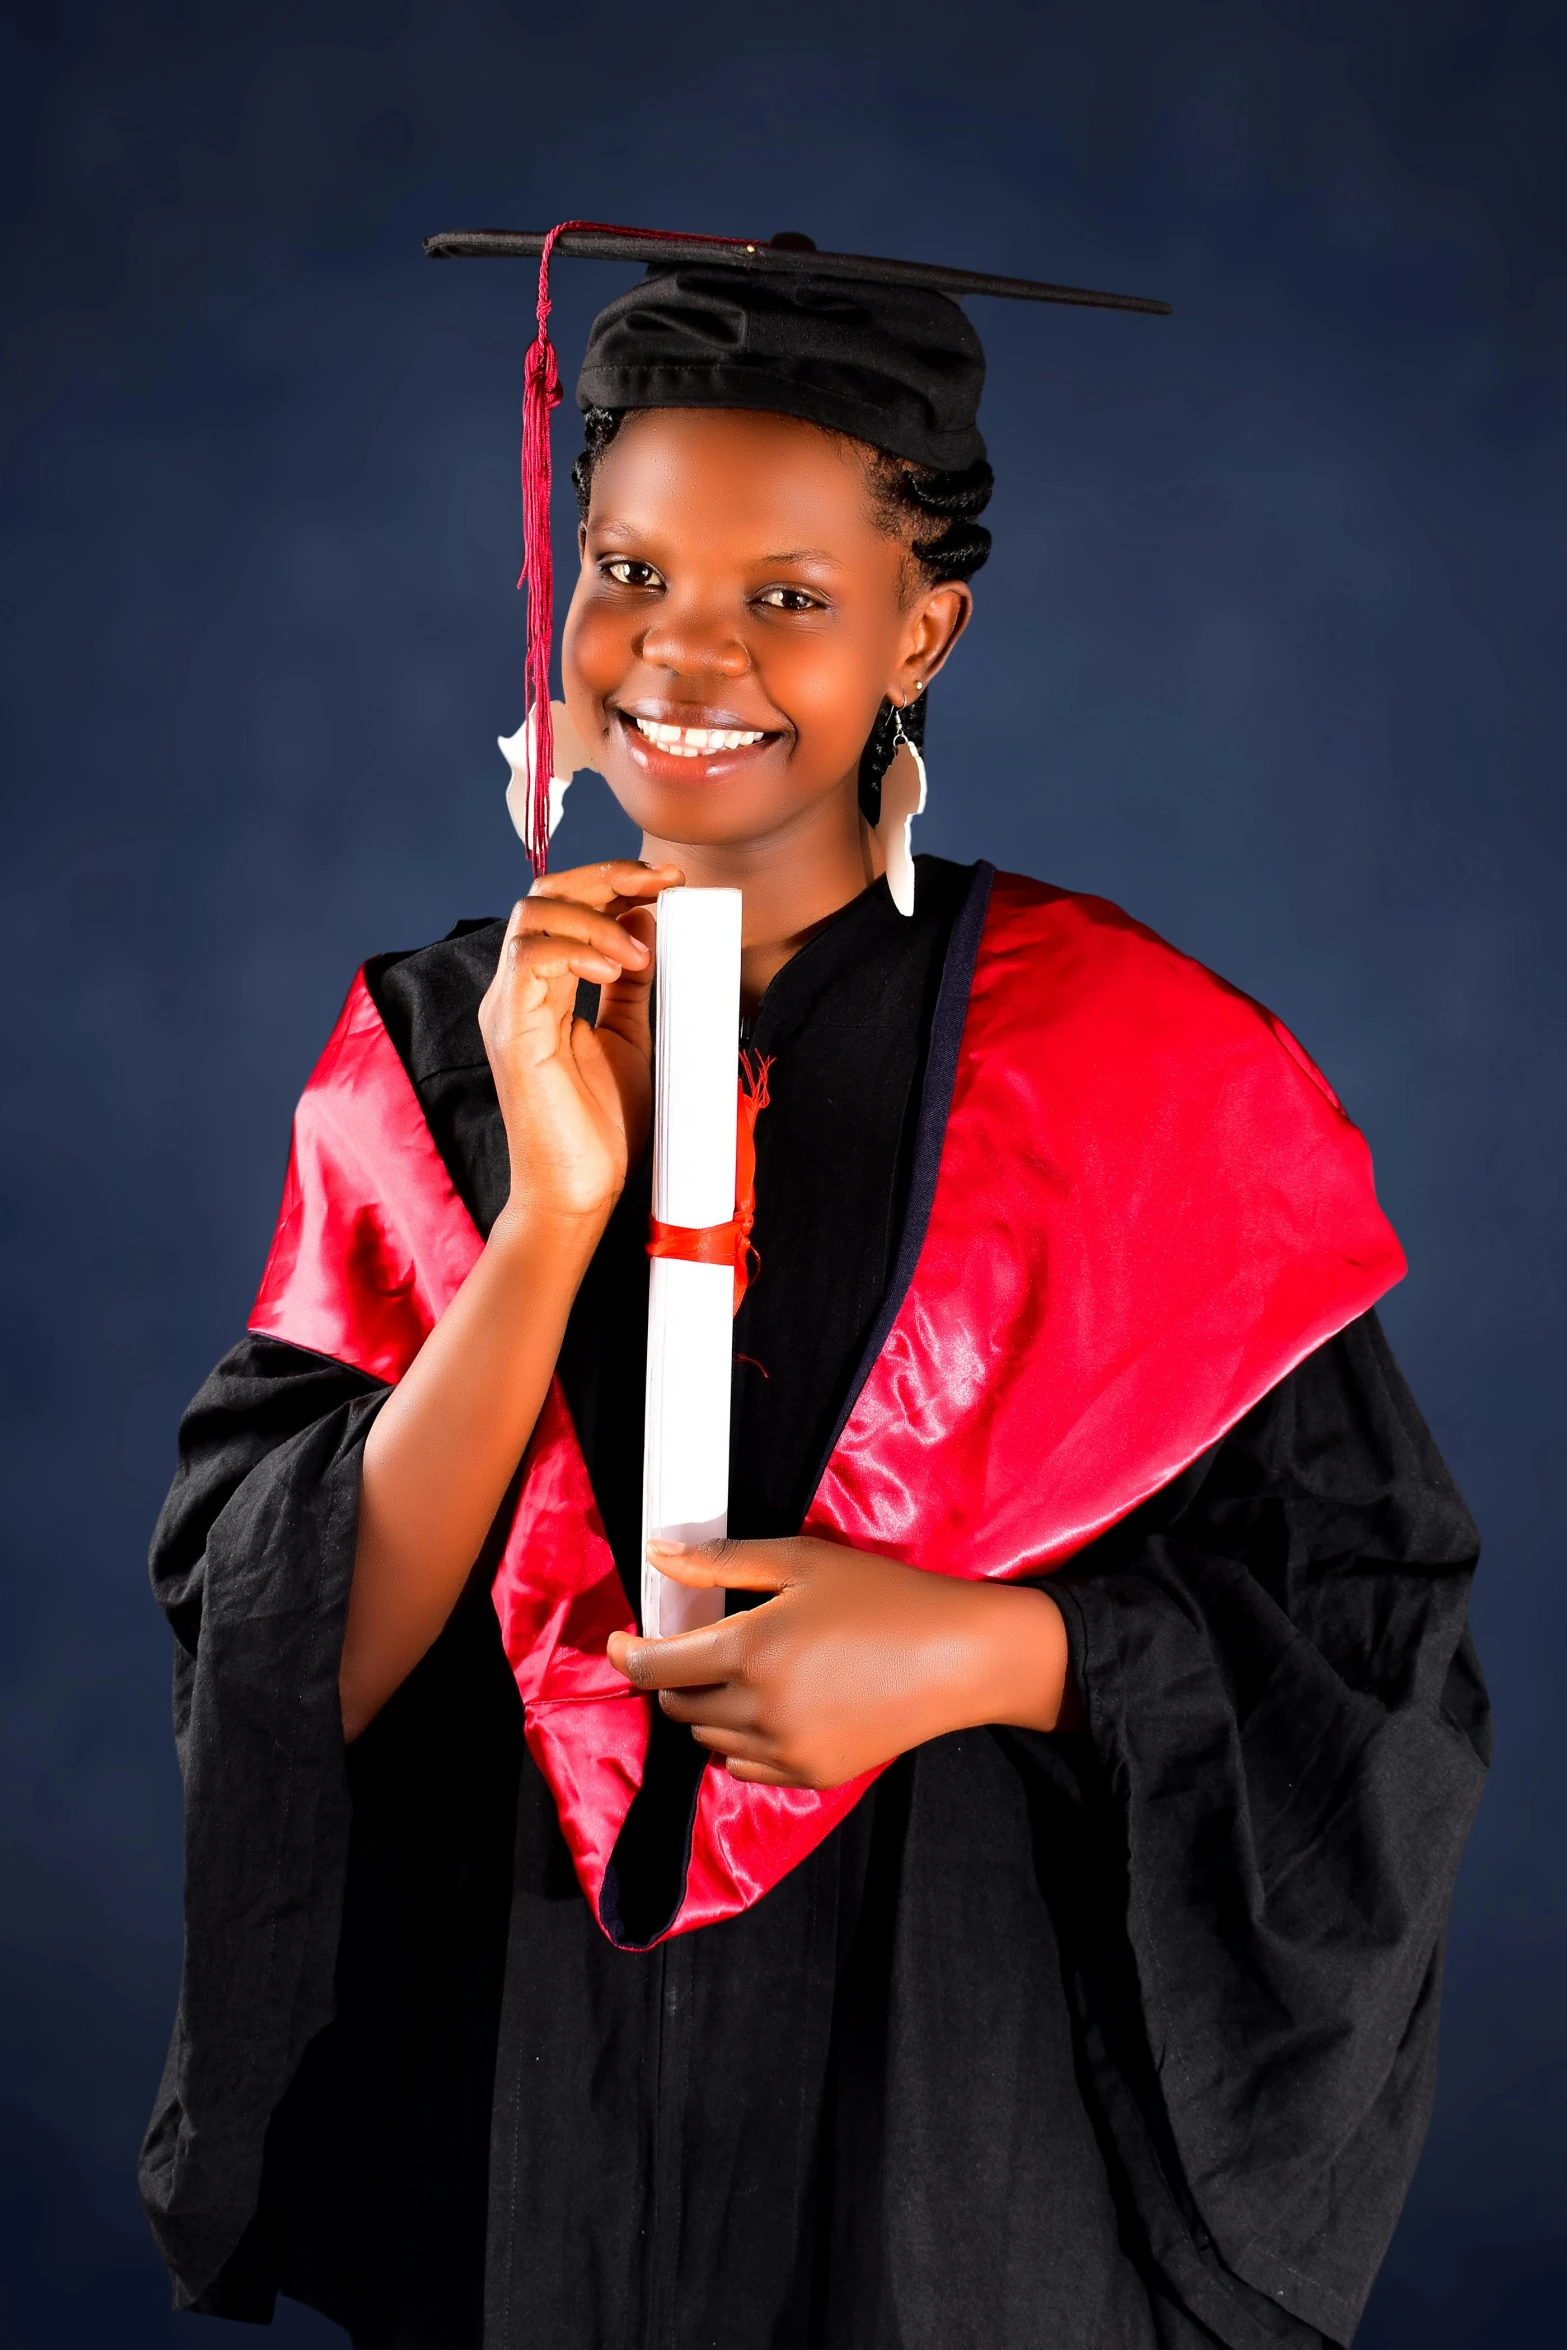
{"points": [[898, 366]]}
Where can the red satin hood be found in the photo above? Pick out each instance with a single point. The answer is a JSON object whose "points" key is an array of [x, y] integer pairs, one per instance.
{"points": [[1149, 1206]]}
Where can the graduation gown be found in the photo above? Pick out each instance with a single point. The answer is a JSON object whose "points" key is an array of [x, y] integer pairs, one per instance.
{"points": [[491, 2034]]}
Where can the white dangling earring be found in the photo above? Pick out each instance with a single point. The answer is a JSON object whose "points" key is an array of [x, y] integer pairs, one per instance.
{"points": [[571, 755], [903, 790]]}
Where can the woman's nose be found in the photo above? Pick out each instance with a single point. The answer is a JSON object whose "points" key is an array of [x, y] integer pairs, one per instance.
{"points": [[690, 644]]}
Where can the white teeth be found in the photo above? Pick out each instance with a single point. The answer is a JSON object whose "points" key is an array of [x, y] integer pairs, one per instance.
{"points": [[697, 742]]}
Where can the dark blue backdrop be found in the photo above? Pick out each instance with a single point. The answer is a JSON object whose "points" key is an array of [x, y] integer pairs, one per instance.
{"points": [[1269, 649]]}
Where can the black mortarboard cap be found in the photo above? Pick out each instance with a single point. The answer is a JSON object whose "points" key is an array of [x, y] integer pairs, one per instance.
{"points": [[898, 366], [875, 348]]}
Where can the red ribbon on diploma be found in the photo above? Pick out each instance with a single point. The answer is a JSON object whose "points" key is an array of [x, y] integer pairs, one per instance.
{"points": [[725, 1244]]}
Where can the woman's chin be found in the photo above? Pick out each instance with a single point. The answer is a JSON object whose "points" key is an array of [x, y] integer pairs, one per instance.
{"points": [[715, 813]]}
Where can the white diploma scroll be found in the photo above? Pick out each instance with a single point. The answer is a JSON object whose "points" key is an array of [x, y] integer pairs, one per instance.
{"points": [[690, 1333]]}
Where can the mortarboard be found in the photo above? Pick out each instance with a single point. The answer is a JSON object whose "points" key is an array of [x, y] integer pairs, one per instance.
{"points": [[878, 349]]}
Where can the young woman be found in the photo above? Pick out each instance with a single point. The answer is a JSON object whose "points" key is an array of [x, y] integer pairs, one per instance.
{"points": [[1018, 1921]]}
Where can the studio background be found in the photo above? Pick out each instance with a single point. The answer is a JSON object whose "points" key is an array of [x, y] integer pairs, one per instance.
{"points": [[1269, 650]]}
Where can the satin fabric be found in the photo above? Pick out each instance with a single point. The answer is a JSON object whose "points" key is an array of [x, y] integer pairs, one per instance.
{"points": [[1149, 1208], [372, 1242]]}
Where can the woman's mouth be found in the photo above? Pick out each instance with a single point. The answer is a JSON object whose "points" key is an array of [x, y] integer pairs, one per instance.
{"points": [[659, 745], [697, 742]]}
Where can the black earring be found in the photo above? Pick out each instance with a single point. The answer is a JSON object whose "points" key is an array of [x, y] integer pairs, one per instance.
{"points": [[892, 728]]}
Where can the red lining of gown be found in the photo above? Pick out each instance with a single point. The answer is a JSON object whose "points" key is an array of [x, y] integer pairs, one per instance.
{"points": [[1174, 1209]]}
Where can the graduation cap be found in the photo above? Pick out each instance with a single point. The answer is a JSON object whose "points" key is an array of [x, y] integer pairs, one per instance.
{"points": [[877, 349]]}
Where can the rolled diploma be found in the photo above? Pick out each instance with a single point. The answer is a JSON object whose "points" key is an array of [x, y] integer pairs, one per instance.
{"points": [[690, 1332]]}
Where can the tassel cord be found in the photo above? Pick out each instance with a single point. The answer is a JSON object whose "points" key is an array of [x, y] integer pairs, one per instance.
{"points": [[540, 396]]}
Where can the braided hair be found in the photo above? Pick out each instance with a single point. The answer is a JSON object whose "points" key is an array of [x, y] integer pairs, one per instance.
{"points": [[935, 514]]}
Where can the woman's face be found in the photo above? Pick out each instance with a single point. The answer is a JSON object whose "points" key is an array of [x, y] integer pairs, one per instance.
{"points": [[738, 620]]}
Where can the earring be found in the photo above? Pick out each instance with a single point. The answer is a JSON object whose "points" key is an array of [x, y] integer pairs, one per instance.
{"points": [[903, 792], [571, 756]]}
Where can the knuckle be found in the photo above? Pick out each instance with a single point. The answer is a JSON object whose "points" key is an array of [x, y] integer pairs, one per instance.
{"points": [[783, 1727], [791, 1750]]}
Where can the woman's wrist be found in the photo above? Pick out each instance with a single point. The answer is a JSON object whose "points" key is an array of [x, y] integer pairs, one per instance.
{"points": [[526, 1231], [1025, 1668]]}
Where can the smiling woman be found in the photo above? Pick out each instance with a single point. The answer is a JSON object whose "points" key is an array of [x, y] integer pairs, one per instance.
{"points": [[930, 514], [743, 614], [1017, 1920]]}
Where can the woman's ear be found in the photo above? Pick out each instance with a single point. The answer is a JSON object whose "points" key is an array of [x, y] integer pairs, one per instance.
{"points": [[935, 624]]}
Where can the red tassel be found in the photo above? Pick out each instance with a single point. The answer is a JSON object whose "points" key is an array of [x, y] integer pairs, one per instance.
{"points": [[540, 394]]}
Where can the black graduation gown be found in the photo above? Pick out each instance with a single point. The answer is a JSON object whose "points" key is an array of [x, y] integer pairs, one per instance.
{"points": [[1095, 2042]]}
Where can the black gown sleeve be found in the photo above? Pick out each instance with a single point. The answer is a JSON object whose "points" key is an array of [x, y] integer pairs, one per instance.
{"points": [[322, 2127], [1289, 1735], [251, 1563]]}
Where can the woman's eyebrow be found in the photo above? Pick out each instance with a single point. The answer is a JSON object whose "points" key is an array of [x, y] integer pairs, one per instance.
{"points": [[606, 527]]}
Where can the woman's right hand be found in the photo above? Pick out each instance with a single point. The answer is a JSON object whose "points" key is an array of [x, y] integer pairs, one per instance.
{"points": [[576, 1100], [446, 1442]]}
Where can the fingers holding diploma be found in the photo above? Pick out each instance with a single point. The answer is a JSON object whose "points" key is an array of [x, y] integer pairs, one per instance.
{"points": [[607, 911], [851, 1659], [574, 1097]]}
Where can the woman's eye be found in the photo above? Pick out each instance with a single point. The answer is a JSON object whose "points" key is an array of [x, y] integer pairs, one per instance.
{"points": [[789, 599], [626, 571]]}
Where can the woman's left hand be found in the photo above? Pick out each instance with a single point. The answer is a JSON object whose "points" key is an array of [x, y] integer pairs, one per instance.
{"points": [[854, 1660]]}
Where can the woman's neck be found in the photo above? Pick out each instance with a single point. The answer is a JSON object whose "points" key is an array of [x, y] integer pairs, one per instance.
{"points": [[793, 880]]}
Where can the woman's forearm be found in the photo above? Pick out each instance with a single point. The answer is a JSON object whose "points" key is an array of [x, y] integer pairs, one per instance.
{"points": [[445, 1446]]}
